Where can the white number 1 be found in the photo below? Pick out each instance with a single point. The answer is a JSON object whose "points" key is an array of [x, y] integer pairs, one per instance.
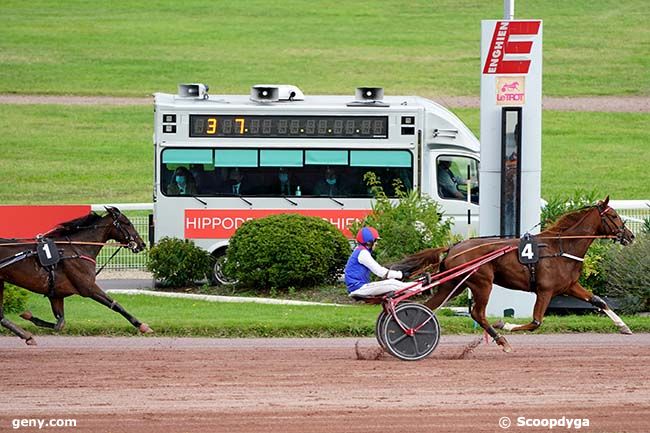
{"points": [[46, 248], [528, 251]]}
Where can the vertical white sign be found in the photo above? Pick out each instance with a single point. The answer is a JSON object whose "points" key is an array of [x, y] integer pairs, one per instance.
{"points": [[511, 76]]}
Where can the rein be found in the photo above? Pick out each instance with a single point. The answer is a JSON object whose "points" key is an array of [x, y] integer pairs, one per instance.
{"points": [[108, 261], [541, 237], [99, 244], [94, 226]]}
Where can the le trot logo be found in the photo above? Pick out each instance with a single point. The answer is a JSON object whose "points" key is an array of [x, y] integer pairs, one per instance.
{"points": [[510, 90]]}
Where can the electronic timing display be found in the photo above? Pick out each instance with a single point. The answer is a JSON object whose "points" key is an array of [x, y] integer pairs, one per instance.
{"points": [[370, 127]]}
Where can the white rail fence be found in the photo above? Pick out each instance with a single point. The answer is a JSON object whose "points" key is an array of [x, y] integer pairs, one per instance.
{"points": [[125, 259], [634, 212]]}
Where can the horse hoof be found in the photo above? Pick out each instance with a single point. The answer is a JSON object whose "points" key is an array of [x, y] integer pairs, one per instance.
{"points": [[625, 330], [145, 329], [499, 325], [30, 341], [27, 315], [505, 346]]}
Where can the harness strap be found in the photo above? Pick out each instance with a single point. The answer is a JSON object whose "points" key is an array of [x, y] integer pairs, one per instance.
{"points": [[532, 277], [571, 256], [80, 256], [66, 242], [51, 282], [562, 253], [16, 258], [51, 275]]}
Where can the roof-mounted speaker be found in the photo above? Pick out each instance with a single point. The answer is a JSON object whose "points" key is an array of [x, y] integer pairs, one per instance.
{"points": [[369, 93], [276, 93], [193, 90], [369, 97]]}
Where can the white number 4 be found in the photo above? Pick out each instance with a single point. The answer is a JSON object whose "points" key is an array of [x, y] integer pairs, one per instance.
{"points": [[527, 251]]}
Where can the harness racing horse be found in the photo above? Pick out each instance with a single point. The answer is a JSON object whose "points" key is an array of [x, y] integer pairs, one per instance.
{"points": [[76, 244], [562, 248]]}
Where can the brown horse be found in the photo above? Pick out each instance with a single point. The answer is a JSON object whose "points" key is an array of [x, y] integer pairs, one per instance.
{"points": [[79, 242], [561, 251]]}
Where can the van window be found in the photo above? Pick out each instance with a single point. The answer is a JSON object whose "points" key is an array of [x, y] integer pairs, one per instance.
{"points": [[283, 172], [456, 176]]}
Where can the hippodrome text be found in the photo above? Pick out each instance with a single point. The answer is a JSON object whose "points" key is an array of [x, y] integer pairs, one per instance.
{"points": [[234, 223], [222, 224]]}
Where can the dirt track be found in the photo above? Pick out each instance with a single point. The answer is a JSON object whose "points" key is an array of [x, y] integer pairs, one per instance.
{"points": [[291, 385]]}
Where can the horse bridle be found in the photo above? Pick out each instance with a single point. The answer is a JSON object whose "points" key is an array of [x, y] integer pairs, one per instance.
{"points": [[609, 222], [132, 244]]}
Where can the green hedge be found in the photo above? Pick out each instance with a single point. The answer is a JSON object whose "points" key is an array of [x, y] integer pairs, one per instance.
{"points": [[286, 251], [178, 262], [15, 299], [411, 224], [627, 271]]}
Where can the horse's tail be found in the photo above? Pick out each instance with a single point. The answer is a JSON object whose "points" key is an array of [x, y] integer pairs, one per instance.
{"points": [[425, 261]]}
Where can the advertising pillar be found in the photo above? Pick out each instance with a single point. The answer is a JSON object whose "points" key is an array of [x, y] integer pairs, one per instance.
{"points": [[511, 140]]}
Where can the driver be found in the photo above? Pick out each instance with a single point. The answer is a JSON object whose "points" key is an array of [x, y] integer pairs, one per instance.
{"points": [[448, 182], [361, 264]]}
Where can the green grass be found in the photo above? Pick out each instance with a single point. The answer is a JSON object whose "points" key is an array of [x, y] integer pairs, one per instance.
{"points": [[609, 152], [606, 152], [180, 317], [421, 47], [73, 154], [68, 154]]}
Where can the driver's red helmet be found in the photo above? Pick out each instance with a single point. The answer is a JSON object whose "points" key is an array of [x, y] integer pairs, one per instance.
{"points": [[367, 234]]}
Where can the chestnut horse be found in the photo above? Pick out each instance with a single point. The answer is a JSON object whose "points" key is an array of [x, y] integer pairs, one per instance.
{"points": [[79, 241], [562, 248]]}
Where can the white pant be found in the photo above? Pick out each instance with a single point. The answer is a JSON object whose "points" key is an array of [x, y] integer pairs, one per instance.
{"points": [[382, 287]]}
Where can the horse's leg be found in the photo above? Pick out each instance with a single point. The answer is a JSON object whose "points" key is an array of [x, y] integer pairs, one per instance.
{"points": [[577, 291], [481, 296], [27, 315], [98, 295], [27, 336], [541, 303], [57, 310]]}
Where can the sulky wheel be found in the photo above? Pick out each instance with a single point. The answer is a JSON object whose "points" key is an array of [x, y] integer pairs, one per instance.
{"points": [[379, 329], [415, 336]]}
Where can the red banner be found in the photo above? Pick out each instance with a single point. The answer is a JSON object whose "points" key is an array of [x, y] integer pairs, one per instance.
{"points": [[29, 221], [222, 223]]}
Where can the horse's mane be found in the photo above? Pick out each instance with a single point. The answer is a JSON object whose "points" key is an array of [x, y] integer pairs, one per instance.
{"points": [[569, 220], [73, 226]]}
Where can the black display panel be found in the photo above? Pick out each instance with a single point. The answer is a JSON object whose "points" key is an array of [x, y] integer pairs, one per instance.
{"points": [[288, 126]]}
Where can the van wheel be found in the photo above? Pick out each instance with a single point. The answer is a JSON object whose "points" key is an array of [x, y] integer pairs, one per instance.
{"points": [[218, 277]]}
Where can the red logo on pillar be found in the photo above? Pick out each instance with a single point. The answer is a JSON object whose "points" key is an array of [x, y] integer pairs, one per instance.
{"points": [[502, 45]]}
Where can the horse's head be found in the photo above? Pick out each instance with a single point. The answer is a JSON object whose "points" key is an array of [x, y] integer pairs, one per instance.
{"points": [[123, 231], [612, 224]]}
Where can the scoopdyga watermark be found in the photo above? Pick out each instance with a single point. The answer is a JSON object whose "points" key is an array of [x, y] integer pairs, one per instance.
{"points": [[549, 423]]}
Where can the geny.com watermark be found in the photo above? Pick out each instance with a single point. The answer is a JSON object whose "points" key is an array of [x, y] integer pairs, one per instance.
{"points": [[42, 423], [550, 423]]}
